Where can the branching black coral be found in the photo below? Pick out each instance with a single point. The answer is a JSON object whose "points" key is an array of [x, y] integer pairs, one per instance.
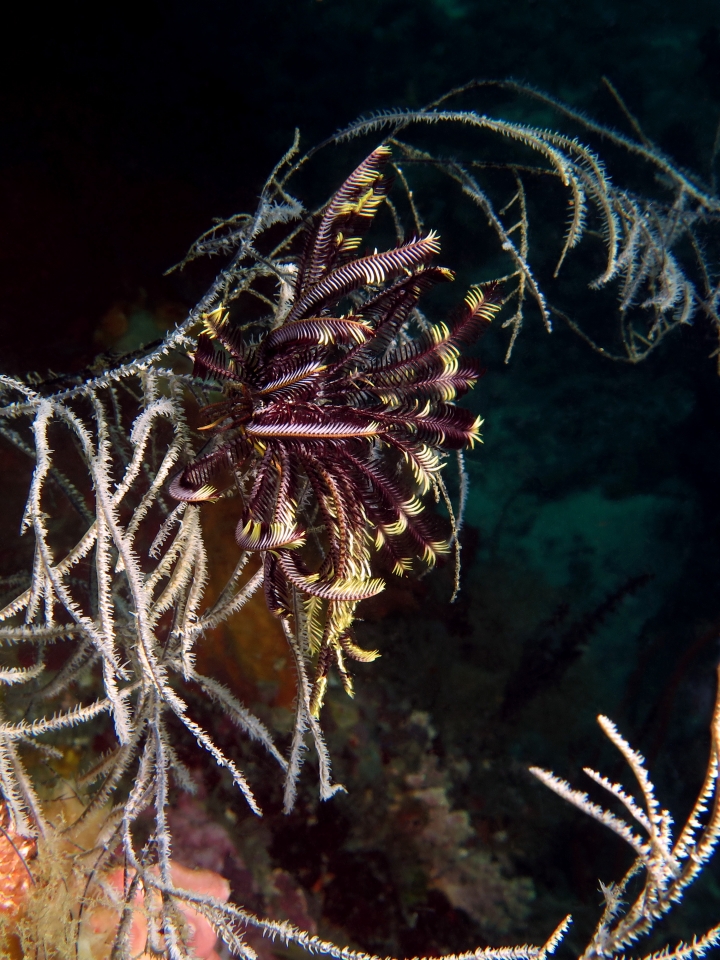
{"points": [[668, 864]]}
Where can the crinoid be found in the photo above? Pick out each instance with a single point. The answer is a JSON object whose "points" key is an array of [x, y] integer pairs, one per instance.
{"points": [[333, 423]]}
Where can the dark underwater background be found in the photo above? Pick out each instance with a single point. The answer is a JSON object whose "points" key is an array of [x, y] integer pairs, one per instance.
{"points": [[591, 554]]}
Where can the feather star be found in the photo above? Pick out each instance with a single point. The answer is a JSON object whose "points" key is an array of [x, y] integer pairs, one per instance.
{"points": [[332, 426]]}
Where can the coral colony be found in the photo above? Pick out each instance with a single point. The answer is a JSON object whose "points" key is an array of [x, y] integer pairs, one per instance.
{"points": [[327, 413]]}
